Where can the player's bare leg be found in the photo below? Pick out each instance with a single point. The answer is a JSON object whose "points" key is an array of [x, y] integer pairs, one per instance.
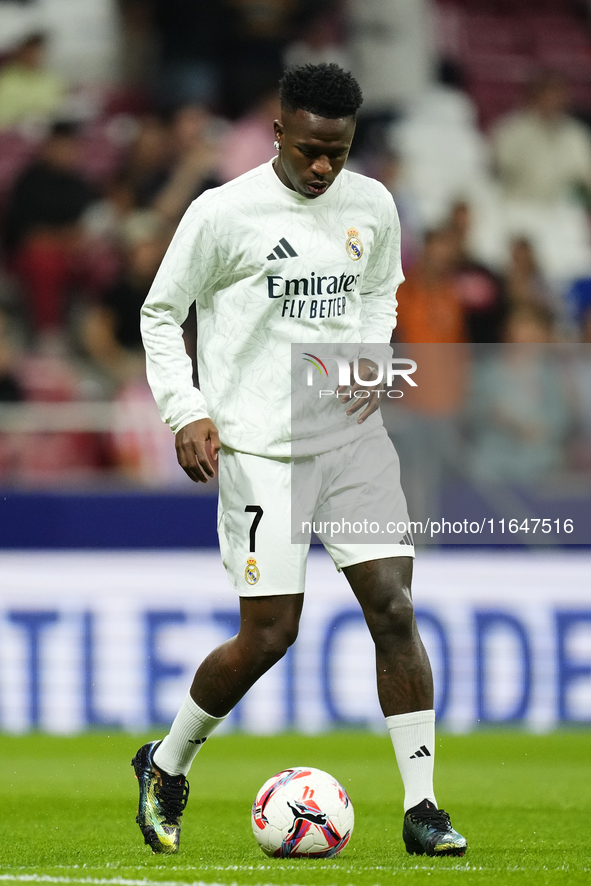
{"points": [[405, 692], [268, 627], [383, 588]]}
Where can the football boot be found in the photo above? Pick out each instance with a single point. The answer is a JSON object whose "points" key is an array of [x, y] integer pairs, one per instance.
{"points": [[428, 831], [162, 802]]}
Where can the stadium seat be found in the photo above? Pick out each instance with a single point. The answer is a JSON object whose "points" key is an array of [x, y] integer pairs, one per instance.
{"points": [[500, 42]]}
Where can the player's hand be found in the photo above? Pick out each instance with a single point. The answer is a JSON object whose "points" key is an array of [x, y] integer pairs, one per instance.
{"points": [[197, 446], [367, 371]]}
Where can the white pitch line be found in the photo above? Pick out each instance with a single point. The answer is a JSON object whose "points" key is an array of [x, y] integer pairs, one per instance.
{"points": [[114, 881], [100, 881], [122, 881]]}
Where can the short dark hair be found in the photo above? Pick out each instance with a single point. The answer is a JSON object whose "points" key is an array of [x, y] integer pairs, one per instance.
{"points": [[325, 90]]}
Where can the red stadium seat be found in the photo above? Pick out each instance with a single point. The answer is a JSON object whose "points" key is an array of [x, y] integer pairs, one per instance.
{"points": [[495, 99], [500, 43]]}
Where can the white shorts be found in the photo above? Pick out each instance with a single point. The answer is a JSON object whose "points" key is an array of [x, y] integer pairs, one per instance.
{"points": [[345, 489]]}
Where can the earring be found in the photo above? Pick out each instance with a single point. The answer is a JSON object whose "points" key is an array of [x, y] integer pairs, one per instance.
{"points": [[276, 145]]}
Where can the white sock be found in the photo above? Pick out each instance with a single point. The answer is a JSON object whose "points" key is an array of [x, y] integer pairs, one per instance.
{"points": [[190, 728], [413, 737]]}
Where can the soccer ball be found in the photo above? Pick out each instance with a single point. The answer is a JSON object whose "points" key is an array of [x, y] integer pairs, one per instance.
{"points": [[302, 812]]}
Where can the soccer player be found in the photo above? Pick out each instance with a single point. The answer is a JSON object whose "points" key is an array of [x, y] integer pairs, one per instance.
{"points": [[297, 250]]}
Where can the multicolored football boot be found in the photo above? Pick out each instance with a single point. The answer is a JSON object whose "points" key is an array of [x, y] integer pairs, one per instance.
{"points": [[428, 831], [163, 799]]}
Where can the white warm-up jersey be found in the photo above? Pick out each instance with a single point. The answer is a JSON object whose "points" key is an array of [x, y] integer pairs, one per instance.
{"points": [[268, 268]]}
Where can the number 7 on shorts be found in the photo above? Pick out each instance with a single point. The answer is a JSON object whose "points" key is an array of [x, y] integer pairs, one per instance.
{"points": [[258, 512]]}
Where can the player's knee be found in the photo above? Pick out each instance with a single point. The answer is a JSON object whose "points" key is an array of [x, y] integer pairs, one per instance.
{"points": [[395, 620], [276, 640]]}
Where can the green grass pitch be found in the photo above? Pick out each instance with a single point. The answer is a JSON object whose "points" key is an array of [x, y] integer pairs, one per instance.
{"points": [[523, 802]]}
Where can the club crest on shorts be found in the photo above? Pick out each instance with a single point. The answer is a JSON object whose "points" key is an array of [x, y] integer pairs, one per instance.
{"points": [[251, 573], [354, 246]]}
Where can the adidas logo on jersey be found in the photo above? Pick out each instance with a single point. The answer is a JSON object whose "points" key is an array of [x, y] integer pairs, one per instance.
{"points": [[282, 250]]}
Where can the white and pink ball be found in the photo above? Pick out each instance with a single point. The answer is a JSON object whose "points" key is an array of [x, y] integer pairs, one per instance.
{"points": [[302, 812]]}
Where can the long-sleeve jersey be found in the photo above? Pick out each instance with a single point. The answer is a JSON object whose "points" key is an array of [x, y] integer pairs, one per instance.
{"points": [[268, 268]]}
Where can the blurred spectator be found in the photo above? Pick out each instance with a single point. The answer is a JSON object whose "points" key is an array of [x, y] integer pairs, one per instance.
{"points": [[524, 281], [430, 323], [43, 237], [147, 164], [140, 445], [192, 42], [578, 300], [519, 411], [138, 50], [443, 153], [430, 307], [424, 423], [480, 290], [580, 450], [258, 32], [194, 134], [39, 457], [385, 166], [110, 330], [320, 41], [28, 90], [11, 389], [105, 218], [169, 166], [250, 141], [446, 99], [391, 44], [541, 153], [50, 192]]}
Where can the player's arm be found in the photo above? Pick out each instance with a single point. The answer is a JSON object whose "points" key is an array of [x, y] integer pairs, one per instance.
{"points": [[189, 267], [381, 280]]}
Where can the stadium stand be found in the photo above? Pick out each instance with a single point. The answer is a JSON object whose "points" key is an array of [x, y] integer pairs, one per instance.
{"points": [[144, 159]]}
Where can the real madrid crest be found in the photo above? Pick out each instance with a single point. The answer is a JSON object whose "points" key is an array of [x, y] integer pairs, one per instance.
{"points": [[251, 573], [354, 245]]}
